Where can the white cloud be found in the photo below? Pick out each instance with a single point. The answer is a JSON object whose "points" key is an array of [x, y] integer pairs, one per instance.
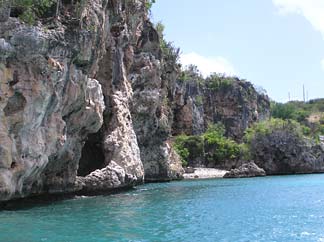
{"points": [[208, 65], [312, 10]]}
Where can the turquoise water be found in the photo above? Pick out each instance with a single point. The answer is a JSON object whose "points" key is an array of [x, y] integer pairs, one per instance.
{"points": [[283, 208]]}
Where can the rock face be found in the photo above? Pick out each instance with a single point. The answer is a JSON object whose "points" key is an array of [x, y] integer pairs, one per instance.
{"points": [[284, 152], [237, 106], [48, 106], [245, 170], [73, 95], [188, 108], [198, 103], [89, 103], [151, 111]]}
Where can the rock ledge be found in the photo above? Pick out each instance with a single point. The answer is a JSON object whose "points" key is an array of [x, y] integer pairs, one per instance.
{"points": [[246, 170]]}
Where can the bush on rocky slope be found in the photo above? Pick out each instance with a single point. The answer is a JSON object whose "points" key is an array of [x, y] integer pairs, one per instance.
{"points": [[288, 111], [280, 147], [218, 82], [310, 115], [269, 126], [29, 11], [149, 4], [218, 147], [210, 148]]}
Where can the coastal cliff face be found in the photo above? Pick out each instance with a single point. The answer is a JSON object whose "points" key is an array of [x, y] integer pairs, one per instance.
{"points": [[199, 103], [89, 103], [48, 105], [82, 102], [237, 105], [151, 109], [284, 152]]}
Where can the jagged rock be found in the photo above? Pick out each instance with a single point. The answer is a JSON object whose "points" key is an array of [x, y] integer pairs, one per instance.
{"points": [[285, 152], [6, 49], [48, 105], [188, 108], [151, 121], [150, 109], [119, 140], [245, 170], [4, 10], [62, 81], [237, 106], [111, 177], [46, 110]]}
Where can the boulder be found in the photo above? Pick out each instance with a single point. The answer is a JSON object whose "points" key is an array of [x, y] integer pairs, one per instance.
{"points": [[245, 170]]}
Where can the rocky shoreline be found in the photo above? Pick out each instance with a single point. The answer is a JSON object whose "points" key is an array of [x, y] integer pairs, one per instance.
{"points": [[82, 105], [92, 100]]}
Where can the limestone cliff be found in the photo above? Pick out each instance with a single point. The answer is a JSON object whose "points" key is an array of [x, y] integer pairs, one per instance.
{"points": [[284, 152], [235, 104], [83, 94], [151, 110], [89, 103]]}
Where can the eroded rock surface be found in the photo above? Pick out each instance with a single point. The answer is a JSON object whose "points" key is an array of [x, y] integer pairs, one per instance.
{"points": [[61, 81], [249, 169], [151, 111], [237, 106], [48, 104], [284, 152]]}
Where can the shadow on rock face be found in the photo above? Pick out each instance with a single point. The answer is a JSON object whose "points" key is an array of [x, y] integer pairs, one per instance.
{"points": [[92, 157], [15, 104]]}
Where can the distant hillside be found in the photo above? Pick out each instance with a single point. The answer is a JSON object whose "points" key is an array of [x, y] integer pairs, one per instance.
{"points": [[309, 114]]}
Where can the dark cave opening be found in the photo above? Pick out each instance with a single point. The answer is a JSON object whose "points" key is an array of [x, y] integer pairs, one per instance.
{"points": [[92, 157]]}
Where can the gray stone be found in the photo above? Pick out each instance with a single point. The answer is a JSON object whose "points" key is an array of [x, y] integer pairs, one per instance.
{"points": [[4, 10], [237, 106], [245, 170], [285, 152], [61, 82]]}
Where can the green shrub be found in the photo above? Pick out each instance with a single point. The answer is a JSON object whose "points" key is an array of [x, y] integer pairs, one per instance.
{"points": [[266, 127], [180, 148], [32, 9], [315, 130], [216, 81], [212, 146], [282, 111], [170, 53], [301, 115], [191, 73], [245, 151], [149, 4], [199, 100], [306, 130], [188, 147], [218, 147], [315, 105], [289, 110]]}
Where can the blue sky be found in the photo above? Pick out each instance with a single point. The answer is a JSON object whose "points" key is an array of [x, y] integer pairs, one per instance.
{"points": [[276, 44]]}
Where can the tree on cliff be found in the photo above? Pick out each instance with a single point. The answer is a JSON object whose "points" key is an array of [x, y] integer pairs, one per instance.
{"points": [[149, 3], [31, 10], [26, 10]]}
